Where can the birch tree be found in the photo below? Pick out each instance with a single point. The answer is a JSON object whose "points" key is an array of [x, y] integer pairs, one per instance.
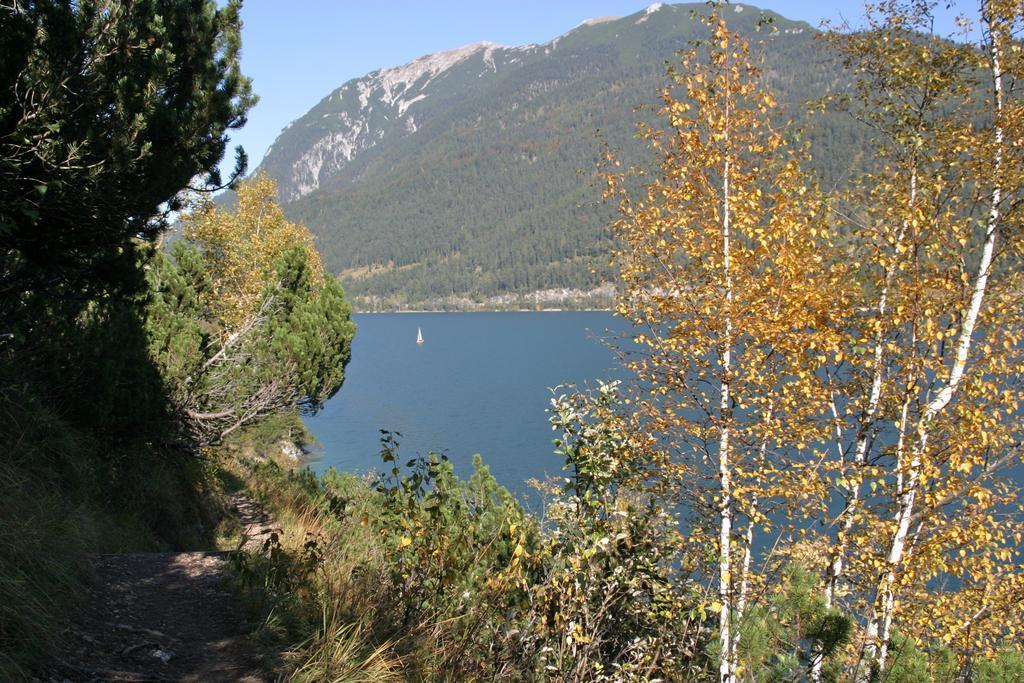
{"points": [[902, 80], [242, 246], [723, 268], [926, 414]]}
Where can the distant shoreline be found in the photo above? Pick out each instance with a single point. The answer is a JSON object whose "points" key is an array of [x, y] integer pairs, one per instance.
{"points": [[559, 300], [494, 310]]}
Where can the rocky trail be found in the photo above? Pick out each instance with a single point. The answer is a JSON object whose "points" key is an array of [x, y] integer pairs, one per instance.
{"points": [[165, 617]]}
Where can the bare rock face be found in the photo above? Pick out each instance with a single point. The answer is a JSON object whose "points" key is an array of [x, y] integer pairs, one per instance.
{"points": [[362, 114]]}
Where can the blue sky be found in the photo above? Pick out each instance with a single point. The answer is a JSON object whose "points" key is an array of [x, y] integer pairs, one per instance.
{"points": [[297, 52]]}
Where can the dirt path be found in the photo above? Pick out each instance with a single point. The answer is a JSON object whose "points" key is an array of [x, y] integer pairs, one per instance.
{"points": [[165, 617], [255, 522]]}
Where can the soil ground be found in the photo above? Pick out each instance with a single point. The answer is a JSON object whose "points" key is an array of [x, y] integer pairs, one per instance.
{"points": [[165, 617]]}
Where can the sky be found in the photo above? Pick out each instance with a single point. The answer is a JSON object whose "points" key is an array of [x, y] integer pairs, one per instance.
{"points": [[297, 52]]}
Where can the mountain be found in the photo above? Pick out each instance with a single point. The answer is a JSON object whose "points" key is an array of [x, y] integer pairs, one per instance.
{"points": [[469, 177]]}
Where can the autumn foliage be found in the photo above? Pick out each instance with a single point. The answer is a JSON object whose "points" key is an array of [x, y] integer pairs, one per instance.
{"points": [[243, 321], [240, 247], [726, 281], [810, 477], [838, 374]]}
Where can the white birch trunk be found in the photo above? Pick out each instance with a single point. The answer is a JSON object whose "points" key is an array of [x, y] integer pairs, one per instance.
{"points": [[748, 550], [970, 318], [889, 594], [835, 570], [860, 454], [725, 673]]}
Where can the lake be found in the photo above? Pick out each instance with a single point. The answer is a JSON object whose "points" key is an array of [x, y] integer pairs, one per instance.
{"points": [[478, 384]]}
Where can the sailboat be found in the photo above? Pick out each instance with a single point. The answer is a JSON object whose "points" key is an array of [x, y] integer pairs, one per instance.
{"points": [[419, 336]]}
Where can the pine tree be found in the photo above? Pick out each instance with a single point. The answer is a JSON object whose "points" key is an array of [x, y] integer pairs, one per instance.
{"points": [[243, 322], [107, 111]]}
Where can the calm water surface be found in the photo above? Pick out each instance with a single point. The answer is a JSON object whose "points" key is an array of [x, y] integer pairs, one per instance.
{"points": [[479, 384]]}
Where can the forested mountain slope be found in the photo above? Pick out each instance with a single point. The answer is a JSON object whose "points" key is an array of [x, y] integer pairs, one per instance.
{"points": [[471, 175]]}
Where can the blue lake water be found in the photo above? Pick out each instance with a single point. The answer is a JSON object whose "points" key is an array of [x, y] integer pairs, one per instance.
{"points": [[478, 384]]}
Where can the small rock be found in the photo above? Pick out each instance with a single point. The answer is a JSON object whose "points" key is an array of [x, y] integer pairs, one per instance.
{"points": [[152, 633], [137, 646], [290, 450]]}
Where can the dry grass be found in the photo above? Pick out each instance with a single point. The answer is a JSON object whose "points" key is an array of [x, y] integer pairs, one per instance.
{"points": [[344, 644], [343, 653]]}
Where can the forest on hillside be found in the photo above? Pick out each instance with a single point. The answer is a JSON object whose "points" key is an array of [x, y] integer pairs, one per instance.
{"points": [[497, 191]]}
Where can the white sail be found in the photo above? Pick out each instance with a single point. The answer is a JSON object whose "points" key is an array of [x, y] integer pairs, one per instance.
{"points": [[419, 336]]}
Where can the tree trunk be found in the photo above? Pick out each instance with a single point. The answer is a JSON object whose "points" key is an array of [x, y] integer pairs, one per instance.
{"points": [[748, 550], [849, 514], [725, 672], [942, 399]]}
